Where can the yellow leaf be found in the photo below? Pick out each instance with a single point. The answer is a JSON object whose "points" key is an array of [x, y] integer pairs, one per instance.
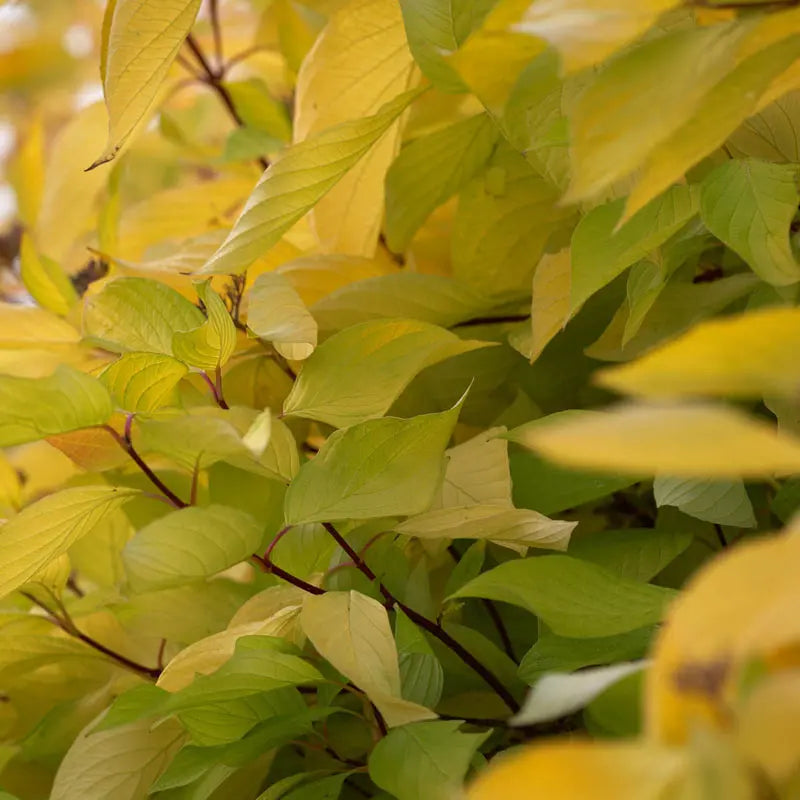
{"points": [[352, 632], [69, 199], [209, 654], [585, 32], [92, 449], [143, 37], [26, 326], [739, 609], [360, 62], [45, 280], [27, 173], [317, 276], [295, 182], [46, 529], [702, 441], [582, 770], [550, 305], [144, 382], [747, 355]]}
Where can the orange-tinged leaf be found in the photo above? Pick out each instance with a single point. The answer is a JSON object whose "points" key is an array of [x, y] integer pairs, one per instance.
{"points": [[581, 770], [739, 609]]}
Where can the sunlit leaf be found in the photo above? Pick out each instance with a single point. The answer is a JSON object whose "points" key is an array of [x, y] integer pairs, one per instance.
{"points": [[144, 382], [359, 372], [723, 502], [45, 280]]}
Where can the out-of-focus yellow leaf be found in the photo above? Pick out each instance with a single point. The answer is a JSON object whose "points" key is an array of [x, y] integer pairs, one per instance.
{"points": [[317, 276], [702, 441], [70, 195], [45, 280], [585, 32], [27, 173], [26, 326], [141, 39], [747, 355], [360, 62], [738, 610], [582, 770]]}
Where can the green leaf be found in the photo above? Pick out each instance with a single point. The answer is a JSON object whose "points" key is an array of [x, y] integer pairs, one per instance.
{"points": [[502, 225], [558, 694], [600, 251], [189, 544], [144, 382], [118, 764], [750, 205], [258, 109], [723, 502], [424, 761], [635, 554], [359, 372], [352, 632], [137, 314], [67, 400], [435, 28], [211, 344], [553, 653], [293, 184], [47, 528], [139, 45], [45, 280], [573, 597], [421, 673], [324, 789], [430, 170], [379, 468], [276, 313], [436, 299]]}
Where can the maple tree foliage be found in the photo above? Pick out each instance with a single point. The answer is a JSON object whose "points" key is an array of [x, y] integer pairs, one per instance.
{"points": [[399, 399]]}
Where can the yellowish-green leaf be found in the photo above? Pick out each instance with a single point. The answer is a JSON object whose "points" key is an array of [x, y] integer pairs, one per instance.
{"points": [[772, 134], [144, 382], [26, 326], [600, 770], [44, 530], [137, 314], [571, 596], [378, 468], [586, 32], [359, 372], [610, 136], [294, 183], [750, 205], [430, 298], [430, 170], [746, 355], [117, 764], [729, 103], [190, 544], [44, 279], [352, 632], [550, 302], [26, 172], [276, 313], [722, 502], [258, 109], [210, 345], [143, 38], [601, 251], [360, 62], [515, 528], [33, 408], [701, 441], [504, 220]]}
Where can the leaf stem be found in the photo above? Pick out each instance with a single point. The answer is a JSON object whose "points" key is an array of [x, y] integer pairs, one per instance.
{"points": [[213, 79], [68, 626], [269, 567], [435, 630], [125, 443]]}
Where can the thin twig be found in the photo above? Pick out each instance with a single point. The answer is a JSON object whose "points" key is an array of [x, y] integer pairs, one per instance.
{"points": [[432, 627], [125, 443], [216, 28], [723, 542], [68, 626], [269, 567]]}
